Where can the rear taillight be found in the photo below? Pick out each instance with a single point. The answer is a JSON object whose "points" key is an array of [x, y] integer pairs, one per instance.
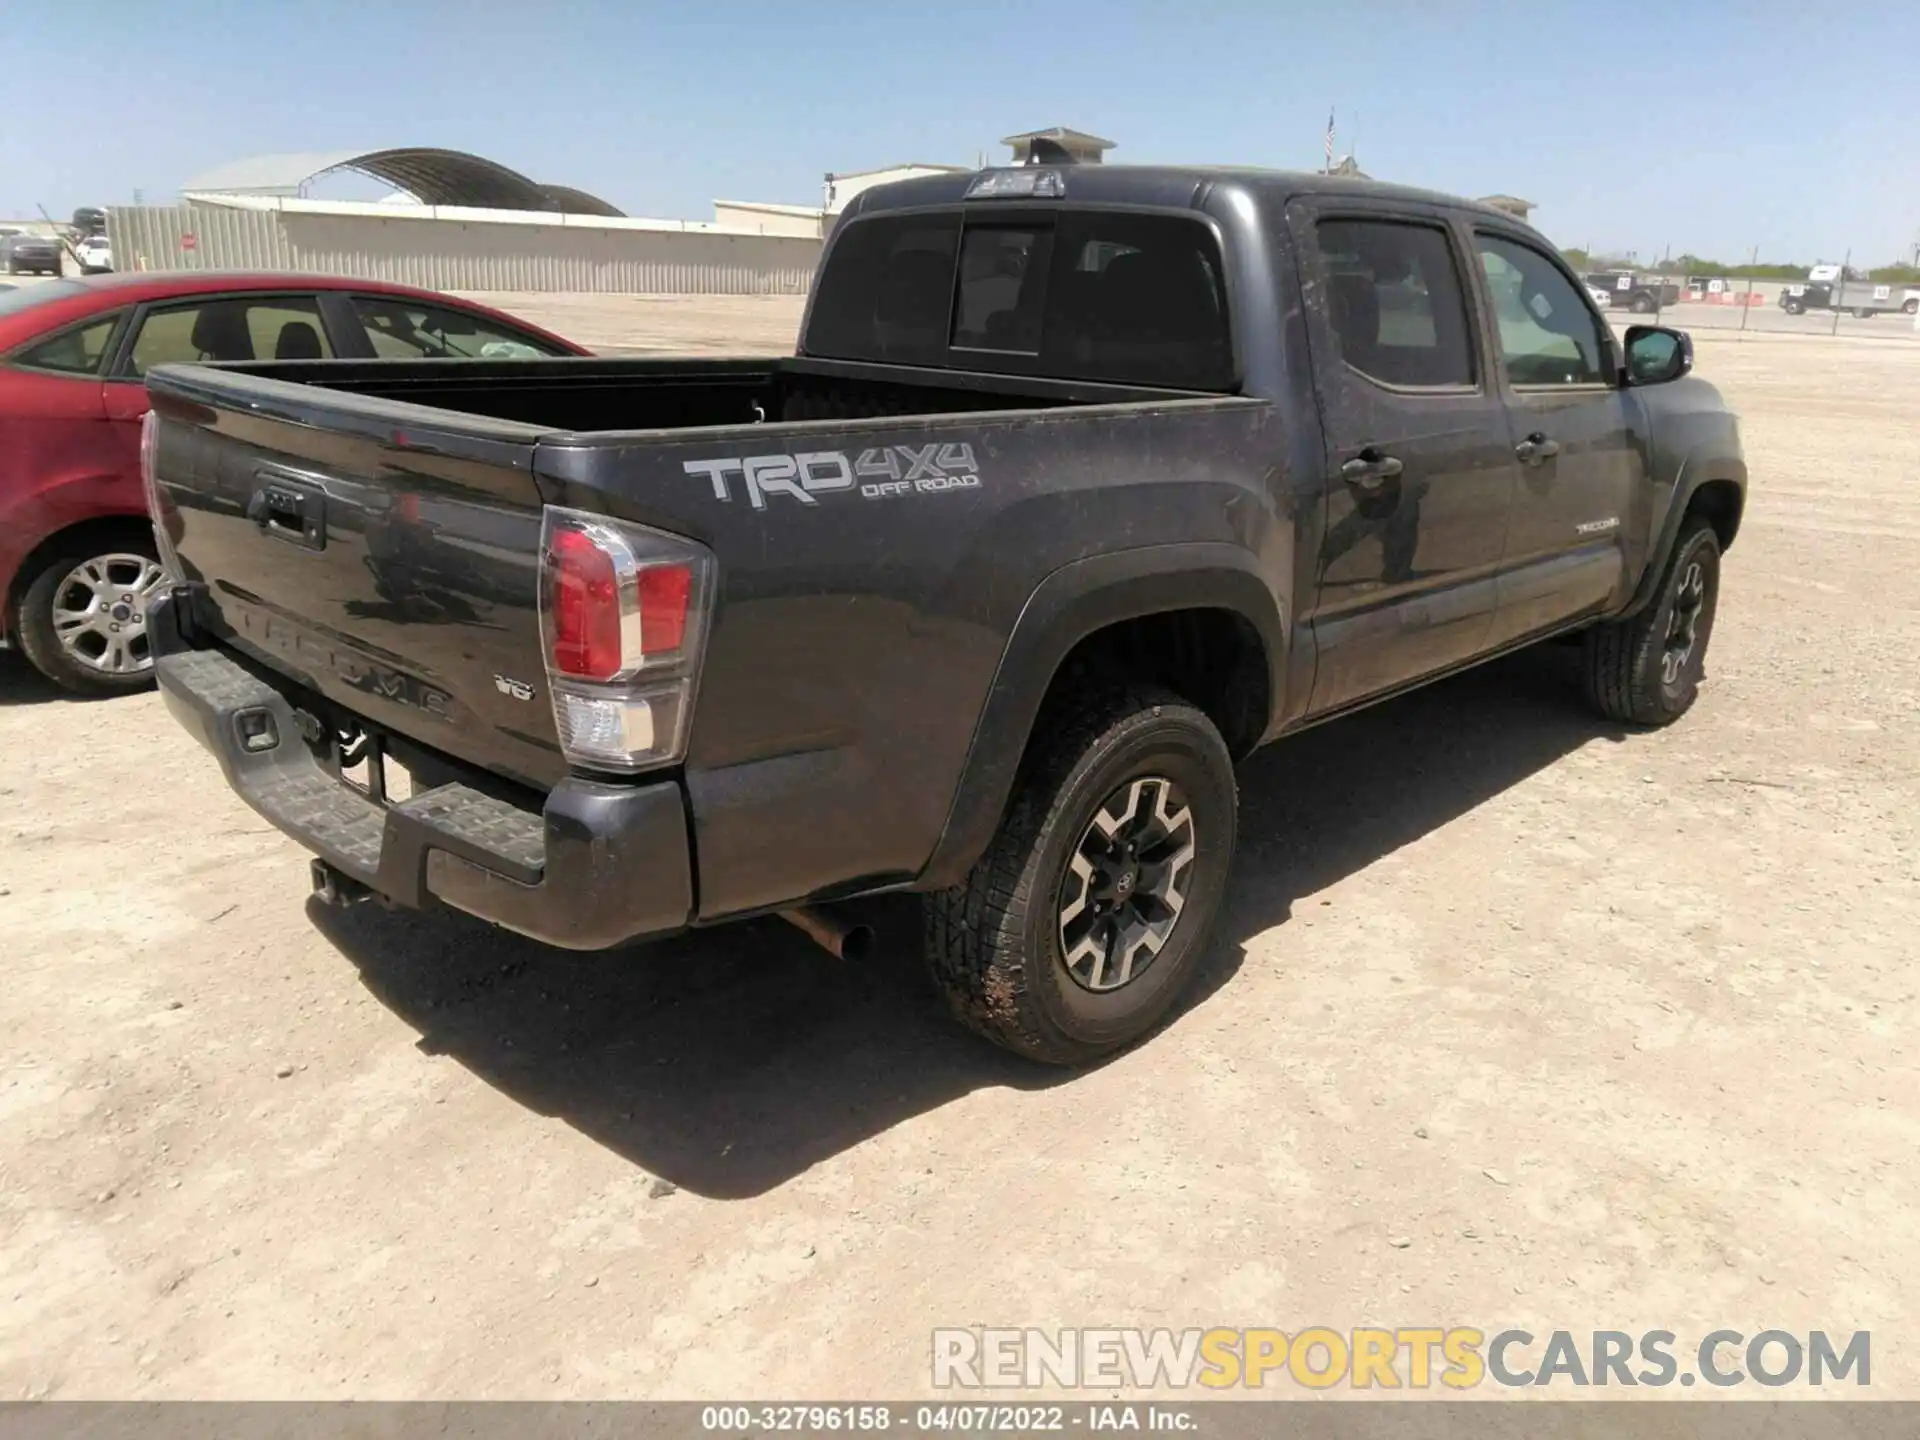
{"points": [[623, 612], [159, 508], [585, 602]]}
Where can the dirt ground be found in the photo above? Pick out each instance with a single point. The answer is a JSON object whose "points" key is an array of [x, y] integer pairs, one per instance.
{"points": [[1613, 1030]]}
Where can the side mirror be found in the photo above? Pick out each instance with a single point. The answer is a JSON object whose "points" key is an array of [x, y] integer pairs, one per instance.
{"points": [[1656, 354]]}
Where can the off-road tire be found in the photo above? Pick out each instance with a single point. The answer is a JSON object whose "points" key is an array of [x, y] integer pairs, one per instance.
{"points": [[993, 942], [33, 620], [1625, 659]]}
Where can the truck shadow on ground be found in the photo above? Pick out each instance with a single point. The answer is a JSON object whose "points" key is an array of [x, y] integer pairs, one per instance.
{"points": [[728, 1062]]}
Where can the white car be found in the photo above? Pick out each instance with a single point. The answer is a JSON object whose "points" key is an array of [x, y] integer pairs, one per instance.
{"points": [[94, 254], [1601, 300]]}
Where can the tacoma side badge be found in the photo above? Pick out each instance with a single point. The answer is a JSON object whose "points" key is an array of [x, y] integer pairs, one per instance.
{"points": [[518, 689]]}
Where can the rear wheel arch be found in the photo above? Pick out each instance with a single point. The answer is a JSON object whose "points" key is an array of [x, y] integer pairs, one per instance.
{"points": [[1194, 620], [130, 526]]}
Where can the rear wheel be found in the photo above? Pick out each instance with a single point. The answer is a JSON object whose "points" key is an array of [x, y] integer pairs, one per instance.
{"points": [[83, 619], [1861, 312], [1646, 670], [1091, 908]]}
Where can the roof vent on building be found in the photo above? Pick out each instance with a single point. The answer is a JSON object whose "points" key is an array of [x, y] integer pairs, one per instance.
{"points": [[1057, 146], [1050, 152]]}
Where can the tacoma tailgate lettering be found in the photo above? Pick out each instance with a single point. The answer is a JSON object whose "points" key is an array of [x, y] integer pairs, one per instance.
{"points": [[927, 469]]}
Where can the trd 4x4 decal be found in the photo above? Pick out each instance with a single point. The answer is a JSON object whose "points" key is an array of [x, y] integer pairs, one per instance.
{"points": [[878, 474]]}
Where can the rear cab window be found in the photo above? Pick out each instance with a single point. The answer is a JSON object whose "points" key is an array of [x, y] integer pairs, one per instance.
{"points": [[1124, 297]]}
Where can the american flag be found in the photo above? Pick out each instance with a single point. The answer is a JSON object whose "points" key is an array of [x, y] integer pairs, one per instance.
{"points": [[1329, 141]]}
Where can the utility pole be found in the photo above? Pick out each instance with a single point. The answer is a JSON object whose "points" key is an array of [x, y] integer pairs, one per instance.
{"points": [[1841, 294], [1746, 308]]}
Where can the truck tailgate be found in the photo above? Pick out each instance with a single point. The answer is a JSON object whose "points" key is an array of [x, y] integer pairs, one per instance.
{"points": [[383, 554]]}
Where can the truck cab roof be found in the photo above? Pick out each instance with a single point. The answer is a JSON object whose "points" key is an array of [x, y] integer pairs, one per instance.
{"points": [[1172, 186]]}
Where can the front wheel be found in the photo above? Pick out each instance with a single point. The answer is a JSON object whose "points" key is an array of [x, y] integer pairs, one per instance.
{"points": [[1912, 307], [1091, 908], [83, 618], [1642, 305], [1647, 669], [1793, 309]]}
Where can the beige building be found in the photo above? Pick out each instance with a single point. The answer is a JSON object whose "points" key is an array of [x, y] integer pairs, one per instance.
{"points": [[763, 218], [1511, 204], [759, 217]]}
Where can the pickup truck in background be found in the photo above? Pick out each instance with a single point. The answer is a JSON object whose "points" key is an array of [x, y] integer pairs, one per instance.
{"points": [[1825, 288], [1630, 290], [1083, 483]]}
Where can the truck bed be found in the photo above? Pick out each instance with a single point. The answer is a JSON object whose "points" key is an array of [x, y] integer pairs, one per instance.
{"points": [[369, 535], [590, 395]]}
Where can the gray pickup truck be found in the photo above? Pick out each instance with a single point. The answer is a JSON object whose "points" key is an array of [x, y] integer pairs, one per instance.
{"points": [[1083, 483]]}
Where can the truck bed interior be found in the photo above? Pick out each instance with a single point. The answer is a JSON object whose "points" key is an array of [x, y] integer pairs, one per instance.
{"points": [[587, 395]]}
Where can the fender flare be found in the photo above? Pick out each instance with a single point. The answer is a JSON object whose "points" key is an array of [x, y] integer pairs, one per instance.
{"points": [[1072, 603], [1694, 476]]}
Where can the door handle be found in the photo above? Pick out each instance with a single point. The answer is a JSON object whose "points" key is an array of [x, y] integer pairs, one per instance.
{"points": [[1536, 449], [1370, 469], [298, 517]]}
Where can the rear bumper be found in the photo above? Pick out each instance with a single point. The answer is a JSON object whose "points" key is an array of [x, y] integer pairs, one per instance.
{"points": [[597, 865]]}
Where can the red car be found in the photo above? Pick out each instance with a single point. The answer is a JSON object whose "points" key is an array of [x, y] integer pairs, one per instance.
{"points": [[76, 548]]}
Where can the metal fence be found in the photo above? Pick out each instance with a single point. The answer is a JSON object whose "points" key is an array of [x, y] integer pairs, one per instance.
{"points": [[1860, 308], [453, 254]]}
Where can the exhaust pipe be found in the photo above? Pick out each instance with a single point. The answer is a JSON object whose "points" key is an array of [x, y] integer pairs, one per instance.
{"points": [[835, 936]]}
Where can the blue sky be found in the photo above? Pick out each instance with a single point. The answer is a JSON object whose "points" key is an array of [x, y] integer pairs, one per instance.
{"points": [[1707, 126]]}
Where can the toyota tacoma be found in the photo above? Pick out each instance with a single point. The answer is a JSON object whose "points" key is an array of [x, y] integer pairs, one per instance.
{"points": [[1083, 483]]}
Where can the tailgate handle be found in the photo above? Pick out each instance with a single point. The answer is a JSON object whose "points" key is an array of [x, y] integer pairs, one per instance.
{"points": [[296, 516]]}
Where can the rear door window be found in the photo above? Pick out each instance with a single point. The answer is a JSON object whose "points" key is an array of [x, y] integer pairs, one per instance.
{"points": [[1395, 303], [243, 327], [78, 350]]}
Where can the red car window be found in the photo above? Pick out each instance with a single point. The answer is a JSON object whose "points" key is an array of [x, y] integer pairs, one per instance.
{"points": [[264, 327], [78, 350]]}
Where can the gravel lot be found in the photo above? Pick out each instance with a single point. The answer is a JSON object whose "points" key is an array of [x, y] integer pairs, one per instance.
{"points": [[1613, 1030]]}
